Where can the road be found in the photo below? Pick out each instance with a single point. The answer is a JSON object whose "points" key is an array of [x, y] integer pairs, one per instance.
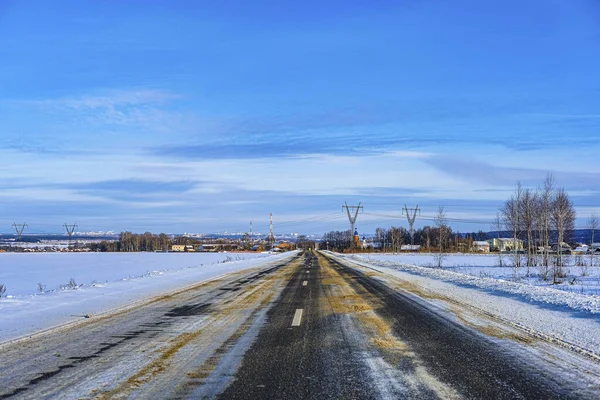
{"points": [[309, 328]]}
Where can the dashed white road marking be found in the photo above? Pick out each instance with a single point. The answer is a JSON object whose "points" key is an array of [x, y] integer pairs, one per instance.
{"points": [[297, 317], [304, 283]]}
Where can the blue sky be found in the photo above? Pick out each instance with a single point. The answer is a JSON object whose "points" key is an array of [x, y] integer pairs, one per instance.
{"points": [[198, 116]]}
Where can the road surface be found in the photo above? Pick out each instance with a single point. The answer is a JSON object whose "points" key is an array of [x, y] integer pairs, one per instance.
{"points": [[310, 328]]}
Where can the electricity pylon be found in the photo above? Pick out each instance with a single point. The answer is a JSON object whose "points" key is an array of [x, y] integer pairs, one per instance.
{"points": [[411, 220], [351, 218], [19, 228], [70, 230]]}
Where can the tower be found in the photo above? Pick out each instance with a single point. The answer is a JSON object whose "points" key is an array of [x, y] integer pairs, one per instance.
{"points": [[351, 218], [411, 220], [19, 228], [271, 236], [70, 230]]}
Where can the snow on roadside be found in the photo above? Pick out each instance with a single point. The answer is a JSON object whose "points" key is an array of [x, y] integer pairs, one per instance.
{"points": [[22, 315], [548, 295], [568, 317]]}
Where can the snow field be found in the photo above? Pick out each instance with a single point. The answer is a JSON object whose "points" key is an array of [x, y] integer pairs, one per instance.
{"points": [[105, 281], [580, 279], [21, 272]]}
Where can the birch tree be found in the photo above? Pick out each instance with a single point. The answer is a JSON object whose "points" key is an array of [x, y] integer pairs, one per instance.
{"points": [[510, 216], [562, 218], [526, 218], [441, 222]]}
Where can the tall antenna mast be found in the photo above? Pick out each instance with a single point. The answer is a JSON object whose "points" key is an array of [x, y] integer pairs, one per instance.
{"points": [[271, 237], [70, 230], [19, 228], [351, 218], [411, 220]]}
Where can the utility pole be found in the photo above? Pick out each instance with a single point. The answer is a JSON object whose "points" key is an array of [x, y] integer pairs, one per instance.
{"points": [[70, 230], [251, 241], [411, 220], [351, 218], [19, 228]]}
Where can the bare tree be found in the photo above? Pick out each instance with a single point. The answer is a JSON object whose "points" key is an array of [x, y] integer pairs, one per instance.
{"points": [[562, 217], [546, 199], [592, 224], [510, 217], [397, 238], [441, 223], [527, 214]]}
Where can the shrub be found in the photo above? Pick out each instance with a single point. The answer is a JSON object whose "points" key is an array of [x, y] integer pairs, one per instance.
{"points": [[2, 289], [72, 284]]}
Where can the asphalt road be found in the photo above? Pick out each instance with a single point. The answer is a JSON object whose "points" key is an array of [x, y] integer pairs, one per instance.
{"points": [[311, 328]]}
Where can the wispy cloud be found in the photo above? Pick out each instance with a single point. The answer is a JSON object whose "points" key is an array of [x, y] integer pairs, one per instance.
{"points": [[109, 99], [106, 109], [471, 170]]}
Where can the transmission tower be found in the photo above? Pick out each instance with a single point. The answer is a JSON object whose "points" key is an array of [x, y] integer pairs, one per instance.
{"points": [[271, 236], [19, 228], [350, 217], [411, 220], [70, 230]]}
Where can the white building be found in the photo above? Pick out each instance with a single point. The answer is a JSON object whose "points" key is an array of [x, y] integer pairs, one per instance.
{"points": [[506, 244], [480, 247]]}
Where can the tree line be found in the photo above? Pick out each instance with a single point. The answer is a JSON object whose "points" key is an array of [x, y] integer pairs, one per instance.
{"points": [[132, 242]]}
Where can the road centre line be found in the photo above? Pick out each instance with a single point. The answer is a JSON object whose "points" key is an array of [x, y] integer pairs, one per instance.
{"points": [[297, 317]]}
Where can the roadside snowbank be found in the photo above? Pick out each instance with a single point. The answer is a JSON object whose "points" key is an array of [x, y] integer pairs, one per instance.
{"points": [[568, 317], [548, 295]]}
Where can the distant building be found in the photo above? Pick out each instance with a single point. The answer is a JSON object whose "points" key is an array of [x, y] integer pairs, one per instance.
{"points": [[182, 247], [506, 244], [410, 247], [356, 239], [480, 247]]}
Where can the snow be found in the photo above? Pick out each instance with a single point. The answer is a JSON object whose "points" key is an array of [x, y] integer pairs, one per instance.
{"points": [[581, 279], [104, 281], [559, 315]]}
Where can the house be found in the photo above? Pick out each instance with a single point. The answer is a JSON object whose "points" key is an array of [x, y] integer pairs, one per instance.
{"points": [[480, 247], [594, 247], [561, 247], [284, 246], [581, 248], [182, 247], [506, 244], [410, 247]]}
